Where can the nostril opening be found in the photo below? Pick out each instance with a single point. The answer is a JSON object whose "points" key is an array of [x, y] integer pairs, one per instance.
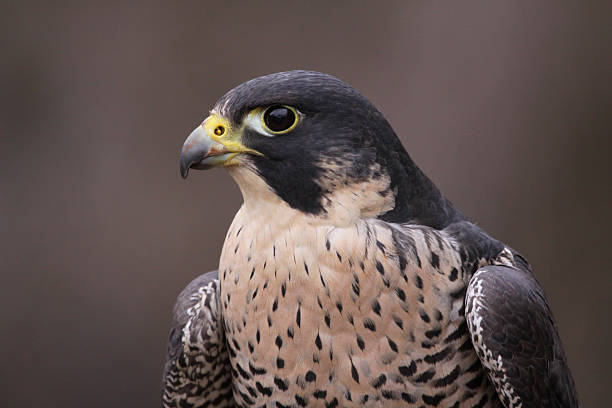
{"points": [[219, 130]]}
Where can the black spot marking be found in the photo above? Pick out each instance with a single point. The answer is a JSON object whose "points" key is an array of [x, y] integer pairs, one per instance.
{"points": [[311, 376], [418, 282], [408, 370], [439, 356], [375, 307], [408, 398], [390, 395], [322, 281], [327, 319], [302, 402], [400, 294], [246, 398], [242, 372], [424, 316], [319, 394], [327, 244], [339, 256], [458, 333], [350, 319], [318, 342], [453, 274], [354, 373], [449, 379], [360, 342], [426, 376], [267, 391], [283, 289], [433, 400], [332, 404], [282, 385], [257, 370], [275, 305], [435, 260], [339, 306], [290, 332], [475, 382], [398, 322], [379, 267], [280, 363], [430, 334], [369, 324], [298, 316], [355, 287], [392, 344], [379, 381]]}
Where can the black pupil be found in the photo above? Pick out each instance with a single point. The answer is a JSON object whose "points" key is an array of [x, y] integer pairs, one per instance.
{"points": [[279, 118]]}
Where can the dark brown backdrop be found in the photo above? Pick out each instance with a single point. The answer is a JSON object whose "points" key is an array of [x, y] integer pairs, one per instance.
{"points": [[506, 107]]}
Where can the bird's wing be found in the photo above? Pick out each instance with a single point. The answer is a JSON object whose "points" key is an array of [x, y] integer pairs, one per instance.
{"points": [[197, 371], [515, 335]]}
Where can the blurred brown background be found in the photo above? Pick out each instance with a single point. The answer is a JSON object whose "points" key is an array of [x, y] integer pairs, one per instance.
{"points": [[506, 107]]}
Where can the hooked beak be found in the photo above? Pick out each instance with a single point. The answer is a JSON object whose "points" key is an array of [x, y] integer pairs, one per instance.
{"points": [[211, 144]]}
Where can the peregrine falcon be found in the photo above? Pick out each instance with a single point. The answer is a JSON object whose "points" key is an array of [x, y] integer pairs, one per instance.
{"points": [[346, 278]]}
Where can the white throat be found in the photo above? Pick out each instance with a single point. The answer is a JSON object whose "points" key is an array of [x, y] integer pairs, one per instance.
{"points": [[343, 207]]}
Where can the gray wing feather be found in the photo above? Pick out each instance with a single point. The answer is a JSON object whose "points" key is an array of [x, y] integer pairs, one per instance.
{"points": [[197, 372], [515, 335]]}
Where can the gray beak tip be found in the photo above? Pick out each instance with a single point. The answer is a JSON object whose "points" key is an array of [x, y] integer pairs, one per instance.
{"points": [[194, 150], [185, 162]]}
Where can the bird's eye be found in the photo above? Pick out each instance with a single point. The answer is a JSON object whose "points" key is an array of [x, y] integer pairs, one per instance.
{"points": [[280, 119]]}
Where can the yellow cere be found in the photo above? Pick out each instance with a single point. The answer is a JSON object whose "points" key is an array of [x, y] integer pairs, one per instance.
{"points": [[220, 130], [217, 127]]}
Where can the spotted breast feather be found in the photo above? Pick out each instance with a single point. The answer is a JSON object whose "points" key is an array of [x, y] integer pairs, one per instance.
{"points": [[367, 315]]}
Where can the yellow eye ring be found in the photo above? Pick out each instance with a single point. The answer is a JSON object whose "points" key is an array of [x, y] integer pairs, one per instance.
{"points": [[279, 119]]}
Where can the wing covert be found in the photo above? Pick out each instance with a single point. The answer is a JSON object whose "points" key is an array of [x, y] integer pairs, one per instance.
{"points": [[197, 372], [515, 336]]}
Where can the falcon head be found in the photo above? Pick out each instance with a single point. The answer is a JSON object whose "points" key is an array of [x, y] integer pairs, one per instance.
{"points": [[316, 143]]}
